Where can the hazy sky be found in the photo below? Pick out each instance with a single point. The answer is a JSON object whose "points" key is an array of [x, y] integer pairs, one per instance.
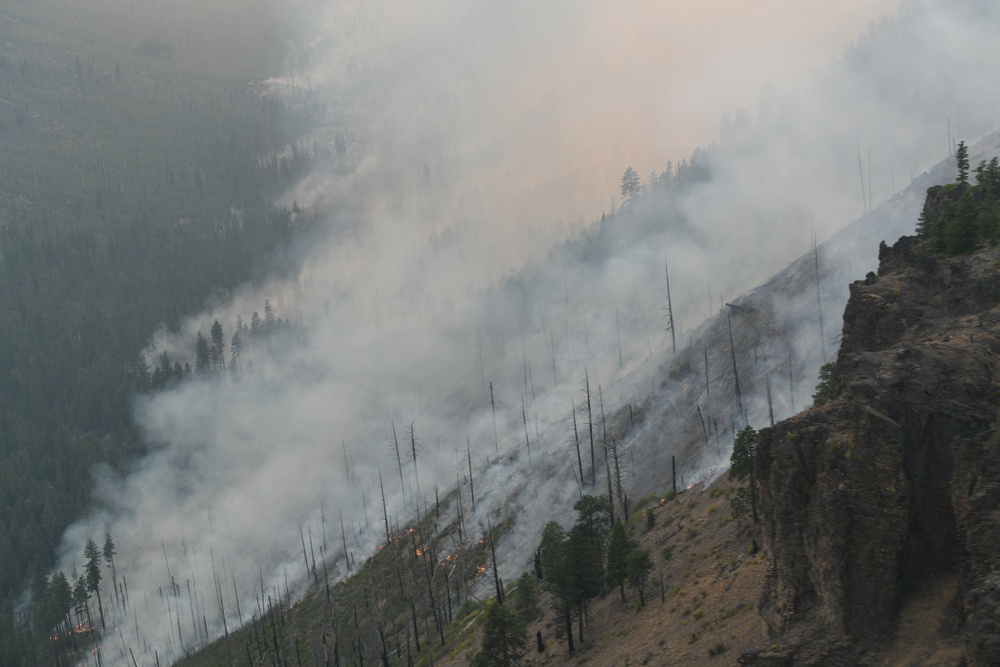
{"points": [[549, 102]]}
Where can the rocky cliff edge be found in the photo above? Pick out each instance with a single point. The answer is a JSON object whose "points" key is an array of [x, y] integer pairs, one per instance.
{"points": [[892, 485]]}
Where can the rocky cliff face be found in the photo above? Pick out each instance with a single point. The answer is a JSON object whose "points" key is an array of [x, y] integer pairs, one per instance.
{"points": [[895, 481]]}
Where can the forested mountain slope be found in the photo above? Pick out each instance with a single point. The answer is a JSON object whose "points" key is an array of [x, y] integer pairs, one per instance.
{"points": [[136, 166]]}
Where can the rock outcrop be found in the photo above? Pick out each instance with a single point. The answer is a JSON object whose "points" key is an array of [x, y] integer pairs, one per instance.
{"points": [[895, 480]]}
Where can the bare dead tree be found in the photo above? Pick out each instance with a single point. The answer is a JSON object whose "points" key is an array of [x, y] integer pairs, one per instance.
{"points": [[576, 442], [385, 511], [552, 351], [791, 383], [236, 593], [708, 394], [527, 440], [461, 512], [472, 487], [619, 487], [740, 414], [534, 398], [579, 483], [618, 332], [701, 420], [322, 519], [399, 459], [305, 556], [604, 423], [384, 651], [670, 310], [347, 468], [430, 593], [343, 537], [413, 449], [611, 495], [607, 458], [819, 300], [416, 628], [590, 427], [861, 172], [493, 555], [770, 403], [673, 472], [493, 405]]}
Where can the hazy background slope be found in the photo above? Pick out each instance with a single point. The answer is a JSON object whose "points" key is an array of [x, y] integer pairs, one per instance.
{"points": [[131, 190]]}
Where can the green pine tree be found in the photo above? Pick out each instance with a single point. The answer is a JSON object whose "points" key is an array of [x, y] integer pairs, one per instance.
{"points": [[640, 564], [92, 571], [585, 545], [525, 597], [80, 598], [505, 637], [962, 232], [962, 161], [619, 548], [557, 575]]}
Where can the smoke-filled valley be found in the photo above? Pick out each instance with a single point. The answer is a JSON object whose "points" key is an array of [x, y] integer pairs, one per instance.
{"points": [[476, 298]]}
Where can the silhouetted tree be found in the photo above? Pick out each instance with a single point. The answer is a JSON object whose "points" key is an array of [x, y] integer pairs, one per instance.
{"points": [[92, 571], [218, 347], [962, 162], [631, 186], [202, 356]]}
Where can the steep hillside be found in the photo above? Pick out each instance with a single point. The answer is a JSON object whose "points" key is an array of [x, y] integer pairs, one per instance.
{"points": [[876, 510]]}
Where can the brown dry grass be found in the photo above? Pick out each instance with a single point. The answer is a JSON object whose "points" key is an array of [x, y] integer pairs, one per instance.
{"points": [[705, 613], [919, 640]]}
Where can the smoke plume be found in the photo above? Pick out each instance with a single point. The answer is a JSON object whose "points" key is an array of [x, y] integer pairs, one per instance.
{"points": [[460, 288]]}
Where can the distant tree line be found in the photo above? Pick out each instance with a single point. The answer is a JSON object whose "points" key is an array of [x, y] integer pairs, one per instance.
{"points": [[62, 610], [131, 190], [211, 359]]}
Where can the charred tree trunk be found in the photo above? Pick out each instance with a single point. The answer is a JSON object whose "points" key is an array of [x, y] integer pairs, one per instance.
{"points": [[399, 459], [385, 511], [413, 449], [590, 428], [819, 300], [740, 413], [527, 440], [493, 406], [576, 441], [670, 311]]}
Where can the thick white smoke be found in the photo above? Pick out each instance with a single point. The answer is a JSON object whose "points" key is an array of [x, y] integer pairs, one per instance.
{"points": [[474, 140]]}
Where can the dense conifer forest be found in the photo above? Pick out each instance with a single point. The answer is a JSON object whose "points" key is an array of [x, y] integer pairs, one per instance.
{"points": [[137, 167]]}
